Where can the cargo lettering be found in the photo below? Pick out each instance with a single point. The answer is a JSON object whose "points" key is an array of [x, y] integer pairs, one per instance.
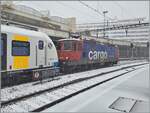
{"points": [[97, 55]]}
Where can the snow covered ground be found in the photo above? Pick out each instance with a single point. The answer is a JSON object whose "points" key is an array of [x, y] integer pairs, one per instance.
{"points": [[37, 101], [122, 62], [134, 85], [20, 90]]}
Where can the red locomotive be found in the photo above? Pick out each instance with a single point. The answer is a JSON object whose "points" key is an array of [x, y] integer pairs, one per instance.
{"points": [[84, 54]]}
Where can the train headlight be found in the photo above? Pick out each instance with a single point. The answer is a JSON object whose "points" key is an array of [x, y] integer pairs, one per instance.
{"points": [[67, 58]]}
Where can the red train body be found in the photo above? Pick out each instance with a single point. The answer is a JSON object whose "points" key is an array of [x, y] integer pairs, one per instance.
{"points": [[79, 54]]}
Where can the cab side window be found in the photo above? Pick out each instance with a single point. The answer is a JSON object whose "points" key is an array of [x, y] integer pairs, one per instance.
{"points": [[41, 44], [20, 48]]}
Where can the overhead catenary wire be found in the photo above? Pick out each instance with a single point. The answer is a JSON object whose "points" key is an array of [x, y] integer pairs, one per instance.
{"points": [[71, 7], [122, 8], [95, 10], [75, 9]]}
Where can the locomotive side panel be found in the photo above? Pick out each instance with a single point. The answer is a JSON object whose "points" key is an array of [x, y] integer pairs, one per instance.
{"points": [[97, 53]]}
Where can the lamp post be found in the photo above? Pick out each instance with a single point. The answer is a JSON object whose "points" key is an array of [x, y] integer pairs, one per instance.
{"points": [[104, 12]]}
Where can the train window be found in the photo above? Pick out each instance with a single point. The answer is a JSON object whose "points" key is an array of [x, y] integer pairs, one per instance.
{"points": [[41, 44], [67, 45], [20, 48], [74, 46]]}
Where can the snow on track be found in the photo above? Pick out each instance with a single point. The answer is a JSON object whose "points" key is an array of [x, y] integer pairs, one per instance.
{"points": [[36, 102], [25, 89]]}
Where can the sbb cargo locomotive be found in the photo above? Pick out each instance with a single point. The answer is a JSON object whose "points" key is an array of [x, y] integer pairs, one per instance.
{"points": [[85, 54], [28, 55]]}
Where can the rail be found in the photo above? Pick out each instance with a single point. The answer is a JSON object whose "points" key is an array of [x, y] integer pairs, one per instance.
{"points": [[75, 81]]}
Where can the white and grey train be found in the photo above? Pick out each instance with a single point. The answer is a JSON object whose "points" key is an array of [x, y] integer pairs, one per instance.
{"points": [[25, 55]]}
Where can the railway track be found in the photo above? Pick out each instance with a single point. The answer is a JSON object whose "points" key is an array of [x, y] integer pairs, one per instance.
{"points": [[11, 93], [75, 71], [43, 99]]}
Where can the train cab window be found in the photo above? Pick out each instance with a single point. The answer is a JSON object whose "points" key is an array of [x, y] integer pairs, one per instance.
{"points": [[20, 48], [74, 46], [41, 44], [67, 45]]}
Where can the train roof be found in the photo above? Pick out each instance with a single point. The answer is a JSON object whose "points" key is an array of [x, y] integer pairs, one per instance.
{"points": [[22, 31]]}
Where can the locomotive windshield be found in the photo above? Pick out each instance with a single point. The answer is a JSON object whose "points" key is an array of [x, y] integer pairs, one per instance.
{"points": [[67, 45]]}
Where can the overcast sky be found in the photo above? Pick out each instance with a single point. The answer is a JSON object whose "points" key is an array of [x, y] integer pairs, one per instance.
{"points": [[116, 9]]}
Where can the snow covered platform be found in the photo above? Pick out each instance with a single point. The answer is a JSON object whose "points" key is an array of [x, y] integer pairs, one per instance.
{"points": [[128, 93]]}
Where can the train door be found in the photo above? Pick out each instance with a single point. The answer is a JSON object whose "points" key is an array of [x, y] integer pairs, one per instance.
{"points": [[3, 51], [41, 54]]}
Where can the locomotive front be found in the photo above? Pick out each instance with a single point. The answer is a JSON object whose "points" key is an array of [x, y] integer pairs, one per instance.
{"points": [[69, 53]]}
